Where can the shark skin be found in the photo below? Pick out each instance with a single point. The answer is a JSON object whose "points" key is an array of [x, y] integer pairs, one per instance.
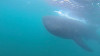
{"points": [[67, 28]]}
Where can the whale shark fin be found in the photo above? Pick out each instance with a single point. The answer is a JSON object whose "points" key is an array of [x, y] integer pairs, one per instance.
{"points": [[82, 44]]}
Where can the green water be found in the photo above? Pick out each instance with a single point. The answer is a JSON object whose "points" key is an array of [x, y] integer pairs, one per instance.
{"points": [[23, 34]]}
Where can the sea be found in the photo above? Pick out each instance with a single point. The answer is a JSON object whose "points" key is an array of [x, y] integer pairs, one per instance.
{"points": [[22, 32]]}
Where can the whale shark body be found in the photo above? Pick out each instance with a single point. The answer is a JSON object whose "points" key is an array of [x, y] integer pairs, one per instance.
{"points": [[68, 27], [71, 29]]}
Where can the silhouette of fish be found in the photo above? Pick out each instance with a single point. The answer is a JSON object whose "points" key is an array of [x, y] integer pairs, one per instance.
{"points": [[68, 28]]}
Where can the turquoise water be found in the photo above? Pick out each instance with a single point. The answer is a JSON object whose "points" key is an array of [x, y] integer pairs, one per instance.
{"points": [[23, 34]]}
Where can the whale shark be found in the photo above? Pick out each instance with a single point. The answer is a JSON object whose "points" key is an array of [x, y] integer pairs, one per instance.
{"points": [[68, 28]]}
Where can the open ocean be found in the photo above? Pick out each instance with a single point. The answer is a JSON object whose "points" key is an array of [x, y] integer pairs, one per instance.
{"points": [[22, 32]]}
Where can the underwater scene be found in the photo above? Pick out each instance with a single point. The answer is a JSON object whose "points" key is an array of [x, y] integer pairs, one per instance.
{"points": [[50, 28]]}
